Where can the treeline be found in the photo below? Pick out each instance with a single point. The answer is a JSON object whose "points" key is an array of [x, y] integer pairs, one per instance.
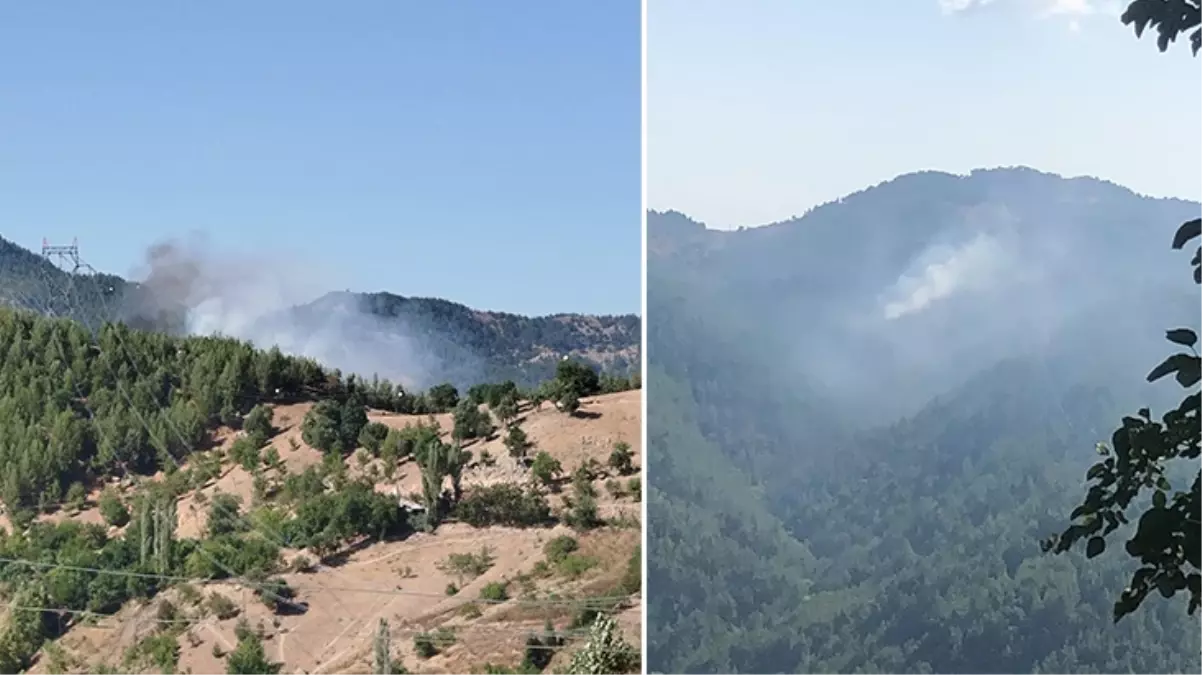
{"points": [[52, 573], [78, 407]]}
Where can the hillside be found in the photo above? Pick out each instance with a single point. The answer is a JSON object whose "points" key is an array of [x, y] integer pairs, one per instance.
{"points": [[188, 504], [418, 342], [899, 394]]}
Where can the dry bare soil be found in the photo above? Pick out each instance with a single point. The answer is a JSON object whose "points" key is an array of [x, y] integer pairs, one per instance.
{"points": [[403, 582]]}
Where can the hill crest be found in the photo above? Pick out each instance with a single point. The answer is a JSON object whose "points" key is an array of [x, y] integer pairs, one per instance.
{"points": [[413, 340]]}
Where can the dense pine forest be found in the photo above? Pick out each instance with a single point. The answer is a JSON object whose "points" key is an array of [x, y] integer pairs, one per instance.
{"points": [[836, 492], [86, 415]]}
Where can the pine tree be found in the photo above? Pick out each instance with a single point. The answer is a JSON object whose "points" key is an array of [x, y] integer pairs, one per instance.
{"points": [[382, 650]]}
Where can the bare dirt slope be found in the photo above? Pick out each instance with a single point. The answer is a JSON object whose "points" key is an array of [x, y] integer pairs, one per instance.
{"points": [[405, 583]]}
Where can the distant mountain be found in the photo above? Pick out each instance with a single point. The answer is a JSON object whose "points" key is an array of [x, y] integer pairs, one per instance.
{"points": [[937, 275], [415, 341], [862, 420]]}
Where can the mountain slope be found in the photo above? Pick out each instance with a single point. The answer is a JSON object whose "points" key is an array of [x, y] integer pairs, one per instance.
{"points": [[901, 390], [168, 500], [418, 342]]}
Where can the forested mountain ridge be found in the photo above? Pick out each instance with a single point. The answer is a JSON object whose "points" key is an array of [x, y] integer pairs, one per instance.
{"points": [[905, 441], [445, 341]]}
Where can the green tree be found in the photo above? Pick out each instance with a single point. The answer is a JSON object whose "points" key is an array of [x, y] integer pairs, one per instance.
{"points": [[111, 508], [606, 650], [249, 658], [506, 409], [382, 663], [258, 423], [320, 426], [1143, 453], [76, 495], [568, 402], [620, 459], [353, 419], [372, 437], [517, 442], [245, 452], [1170, 18], [577, 377], [443, 397], [435, 460], [546, 468], [223, 515], [470, 422]]}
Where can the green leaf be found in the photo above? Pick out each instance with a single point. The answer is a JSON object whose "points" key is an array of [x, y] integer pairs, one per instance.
{"points": [[1182, 336], [1187, 231], [1189, 374], [1158, 499], [1169, 365], [1095, 547]]}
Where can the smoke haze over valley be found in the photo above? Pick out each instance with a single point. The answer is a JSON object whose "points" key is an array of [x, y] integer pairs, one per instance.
{"points": [[186, 287], [898, 394]]}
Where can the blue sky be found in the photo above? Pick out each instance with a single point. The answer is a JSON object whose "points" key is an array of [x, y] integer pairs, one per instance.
{"points": [[487, 153], [760, 110]]}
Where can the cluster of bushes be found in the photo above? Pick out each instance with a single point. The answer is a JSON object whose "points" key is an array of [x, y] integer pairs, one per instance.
{"points": [[504, 504], [76, 408]]}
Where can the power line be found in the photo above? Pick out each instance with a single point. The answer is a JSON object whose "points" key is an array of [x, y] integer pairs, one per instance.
{"points": [[598, 600], [433, 633], [115, 333]]}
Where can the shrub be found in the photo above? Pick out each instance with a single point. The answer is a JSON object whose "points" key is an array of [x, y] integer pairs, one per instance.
{"points": [[112, 510], [546, 468], [76, 495], [372, 436], [275, 594], [573, 565], [469, 565], [582, 507], [245, 452], [503, 504], [258, 422], [423, 645], [632, 580], [558, 548], [621, 459], [615, 488], [517, 442], [497, 591], [222, 607]]}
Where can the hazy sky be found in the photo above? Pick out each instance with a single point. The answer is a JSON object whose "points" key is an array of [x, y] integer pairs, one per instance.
{"points": [[488, 153], [760, 110]]}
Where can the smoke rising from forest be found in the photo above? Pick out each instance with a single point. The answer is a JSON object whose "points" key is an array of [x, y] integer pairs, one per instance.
{"points": [[970, 266], [190, 289], [932, 301]]}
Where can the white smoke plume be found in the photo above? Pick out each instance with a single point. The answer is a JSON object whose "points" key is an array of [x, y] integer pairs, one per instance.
{"points": [[191, 289], [944, 272]]}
